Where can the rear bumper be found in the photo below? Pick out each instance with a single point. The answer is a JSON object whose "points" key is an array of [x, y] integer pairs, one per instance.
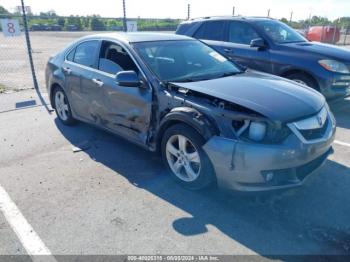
{"points": [[242, 166]]}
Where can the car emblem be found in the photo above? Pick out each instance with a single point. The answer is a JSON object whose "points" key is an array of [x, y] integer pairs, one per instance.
{"points": [[320, 120]]}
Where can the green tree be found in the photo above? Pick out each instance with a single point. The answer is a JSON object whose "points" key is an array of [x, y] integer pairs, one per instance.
{"points": [[114, 24], [344, 21], [284, 20], [97, 24], [48, 14], [3, 11], [85, 21], [74, 20], [319, 20], [61, 21]]}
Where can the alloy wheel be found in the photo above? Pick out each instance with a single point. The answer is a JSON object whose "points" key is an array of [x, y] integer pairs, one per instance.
{"points": [[61, 104], [183, 158]]}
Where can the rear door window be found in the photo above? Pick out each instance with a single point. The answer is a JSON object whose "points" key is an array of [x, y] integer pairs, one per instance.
{"points": [[213, 30], [241, 33], [86, 53]]}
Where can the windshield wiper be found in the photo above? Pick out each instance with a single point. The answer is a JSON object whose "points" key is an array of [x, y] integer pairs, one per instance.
{"points": [[292, 42], [204, 78], [188, 79], [231, 73], [184, 80]]}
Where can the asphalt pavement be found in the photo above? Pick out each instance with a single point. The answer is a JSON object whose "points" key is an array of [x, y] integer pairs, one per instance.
{"points": [[115, 198]]}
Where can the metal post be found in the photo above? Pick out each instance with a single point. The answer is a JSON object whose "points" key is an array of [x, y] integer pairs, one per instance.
{"points": [[291, 17], [347, 27], [124, 17], [188, 11], [335, 31], [233, 11], [268, 13], [29, 47], [309, 21]]}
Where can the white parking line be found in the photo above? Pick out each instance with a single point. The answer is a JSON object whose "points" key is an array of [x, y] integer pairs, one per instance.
{"points": [[24, 231], [341, 143]]}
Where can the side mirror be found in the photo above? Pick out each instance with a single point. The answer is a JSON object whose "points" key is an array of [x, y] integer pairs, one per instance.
{"points": [[259, 43], [128, 78]]}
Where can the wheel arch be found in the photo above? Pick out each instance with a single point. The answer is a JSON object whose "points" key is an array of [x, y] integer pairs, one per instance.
{"points": [[52, 91], [293, 71], [190, 117]]}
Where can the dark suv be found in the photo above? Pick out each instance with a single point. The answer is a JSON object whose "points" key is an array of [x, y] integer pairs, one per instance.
{"points": [[271, 46]]}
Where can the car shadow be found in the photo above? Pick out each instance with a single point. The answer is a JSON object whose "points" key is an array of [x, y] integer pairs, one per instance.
{"points": [[313, 219]]}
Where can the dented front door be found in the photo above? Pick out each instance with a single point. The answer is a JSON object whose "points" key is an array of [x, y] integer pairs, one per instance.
{"points": [[123, 110]]}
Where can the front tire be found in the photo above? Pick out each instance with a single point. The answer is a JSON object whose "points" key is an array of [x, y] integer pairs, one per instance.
{"points": [[185, 159], [62, 107], [303, 79]]}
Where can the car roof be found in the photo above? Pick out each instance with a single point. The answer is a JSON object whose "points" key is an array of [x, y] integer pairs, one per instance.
{"points": [[237, 18], [139, 37]]}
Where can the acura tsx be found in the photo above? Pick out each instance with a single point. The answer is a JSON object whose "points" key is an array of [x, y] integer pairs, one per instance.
{"points": [[212, 121]]}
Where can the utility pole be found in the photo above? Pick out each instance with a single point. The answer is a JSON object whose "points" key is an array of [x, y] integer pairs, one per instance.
{"points": [[268, 13], [188, 11], [29, 47], [310, 21], [233, 11], [291, 17], [124, 17]]}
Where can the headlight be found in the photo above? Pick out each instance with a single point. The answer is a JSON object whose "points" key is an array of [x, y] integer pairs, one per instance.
{"points": [[334, 66], [260, 131], [257, 131]]}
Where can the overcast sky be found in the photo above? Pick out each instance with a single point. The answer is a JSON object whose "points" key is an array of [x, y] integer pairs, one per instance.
{"points": [[178, 8]]}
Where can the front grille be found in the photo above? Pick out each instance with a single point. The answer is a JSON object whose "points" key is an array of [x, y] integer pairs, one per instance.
{"points": [[341, 82], [311, 134], [313, 129]]}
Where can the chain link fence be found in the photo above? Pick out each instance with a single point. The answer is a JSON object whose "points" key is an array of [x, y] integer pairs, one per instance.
{"points": [[50, 34], [15, 73], [327, 33]]}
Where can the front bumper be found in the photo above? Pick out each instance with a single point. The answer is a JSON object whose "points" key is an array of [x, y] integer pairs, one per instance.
{"points": [[244, 166], [337, 86]]}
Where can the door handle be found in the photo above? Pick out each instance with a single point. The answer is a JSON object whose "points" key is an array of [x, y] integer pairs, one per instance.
{"points": [[97, 82], [67, 70], [228, 50]]}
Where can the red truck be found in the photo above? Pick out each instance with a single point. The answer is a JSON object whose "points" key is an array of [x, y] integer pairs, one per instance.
{"points": [[325, 34]]}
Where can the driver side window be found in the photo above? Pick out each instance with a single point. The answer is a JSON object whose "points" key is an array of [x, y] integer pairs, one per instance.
{"points": [[113, 59], [241, 33]]}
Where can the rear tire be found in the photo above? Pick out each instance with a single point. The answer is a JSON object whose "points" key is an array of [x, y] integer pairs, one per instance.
{"points": [[185, 159], [62, 107], [303, 79]]}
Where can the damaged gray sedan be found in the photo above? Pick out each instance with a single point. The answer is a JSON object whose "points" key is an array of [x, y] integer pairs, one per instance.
{"points": [[212, 121]]}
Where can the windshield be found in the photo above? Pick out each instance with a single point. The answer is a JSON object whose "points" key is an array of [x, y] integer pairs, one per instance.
{"points": [[184, 61], [280, 32]]}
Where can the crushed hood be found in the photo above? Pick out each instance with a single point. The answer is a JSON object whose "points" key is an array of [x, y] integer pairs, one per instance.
{"points": [[274, 97]]}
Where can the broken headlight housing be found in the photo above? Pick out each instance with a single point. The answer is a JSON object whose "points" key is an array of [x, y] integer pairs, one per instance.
{"points": [[260, 131]]}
